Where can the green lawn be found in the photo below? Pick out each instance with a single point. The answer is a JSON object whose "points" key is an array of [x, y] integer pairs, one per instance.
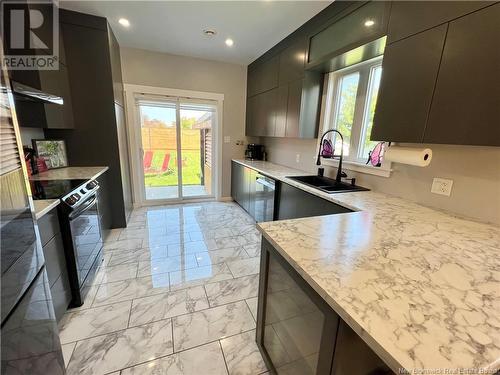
{"points": [[191, 170]]}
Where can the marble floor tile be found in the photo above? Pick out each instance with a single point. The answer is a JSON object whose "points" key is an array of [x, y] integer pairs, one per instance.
{"points": [[129, 289], [219, 256], [118, 273], [226, 291], [212, 324], [196, 236], [206, 359], [89, 299], [233, 241], [67, 350], [164, 265], [191, 247], [199, 276], [169, 239], [131, 233], [171, 264], [242, 354], [118, 258], [75, 326], [123, 245], [113, 235], [252, 305], [244, 229], [162, 306], [216, 233], [244, 267], [253, 250], [117, 350]]}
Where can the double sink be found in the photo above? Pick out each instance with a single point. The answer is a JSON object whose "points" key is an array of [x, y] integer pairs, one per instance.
{"points": [[327, 185]]}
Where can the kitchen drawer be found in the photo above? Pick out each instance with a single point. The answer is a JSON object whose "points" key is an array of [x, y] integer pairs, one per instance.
{"points": [[48, 225], [55, 261]]}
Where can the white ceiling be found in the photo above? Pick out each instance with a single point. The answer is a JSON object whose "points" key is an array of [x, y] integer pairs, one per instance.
{"points": [[177, 26]]}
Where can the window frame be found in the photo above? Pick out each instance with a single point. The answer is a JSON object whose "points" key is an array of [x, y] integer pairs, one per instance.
{"points": [[354, 161]]}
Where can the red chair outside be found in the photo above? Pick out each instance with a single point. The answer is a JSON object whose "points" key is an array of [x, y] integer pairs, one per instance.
{"points": [[166, 161], [148, 159]]}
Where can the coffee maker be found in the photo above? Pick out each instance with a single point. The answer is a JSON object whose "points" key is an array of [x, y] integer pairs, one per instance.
{"points": [[254, 152]]}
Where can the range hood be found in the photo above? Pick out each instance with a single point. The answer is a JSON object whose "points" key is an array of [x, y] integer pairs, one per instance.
{"points": [[24, 92]]}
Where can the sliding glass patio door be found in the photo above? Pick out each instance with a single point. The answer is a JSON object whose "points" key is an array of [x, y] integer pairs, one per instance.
{"points": [[176, 147]]}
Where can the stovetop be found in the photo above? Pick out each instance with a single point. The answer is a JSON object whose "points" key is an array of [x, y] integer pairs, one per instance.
{"points": [[54, 189]]}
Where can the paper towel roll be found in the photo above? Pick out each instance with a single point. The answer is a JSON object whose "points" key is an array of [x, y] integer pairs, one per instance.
{"points": [[420, 157]]}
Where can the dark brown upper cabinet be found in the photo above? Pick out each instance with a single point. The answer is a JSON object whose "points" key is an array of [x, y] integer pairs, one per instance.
{"points": [[292, 60], [263, 77], [294, 100], [261, 114], [466, 105], [362, 25], [281, 108], [411, 17], [410, 68]]}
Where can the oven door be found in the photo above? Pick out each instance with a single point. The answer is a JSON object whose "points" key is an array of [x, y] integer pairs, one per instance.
{"points": [[86, 234]]}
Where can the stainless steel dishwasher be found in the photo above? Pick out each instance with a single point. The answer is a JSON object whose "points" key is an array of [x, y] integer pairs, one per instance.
{"points": [[264, 198]]}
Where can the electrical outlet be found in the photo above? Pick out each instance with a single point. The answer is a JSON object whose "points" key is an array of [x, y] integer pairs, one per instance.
{"points": [[441, 186], [227, 139], [297, 158]]}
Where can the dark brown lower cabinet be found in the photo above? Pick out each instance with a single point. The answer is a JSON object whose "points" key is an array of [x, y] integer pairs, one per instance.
{"points": [[299, 333], [55, 262]]}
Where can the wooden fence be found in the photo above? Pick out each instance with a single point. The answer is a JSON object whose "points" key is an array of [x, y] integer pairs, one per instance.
{"points": [[165, 139]]}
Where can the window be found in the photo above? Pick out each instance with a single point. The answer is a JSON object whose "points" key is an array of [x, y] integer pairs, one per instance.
{"points": [[350, 106]]}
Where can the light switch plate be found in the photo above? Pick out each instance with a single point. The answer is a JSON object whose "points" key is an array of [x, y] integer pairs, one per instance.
{"points": [[297, 158], [227, 139], [441, 186]]}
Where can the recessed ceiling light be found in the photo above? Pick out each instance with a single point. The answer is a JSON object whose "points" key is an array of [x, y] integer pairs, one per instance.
{"points": [[124, 22], [369, 23], [229, 42], [209, 32]]}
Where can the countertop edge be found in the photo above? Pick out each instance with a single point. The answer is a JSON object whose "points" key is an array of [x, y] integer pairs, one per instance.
{"points": [[43, 206], [92, 176]]}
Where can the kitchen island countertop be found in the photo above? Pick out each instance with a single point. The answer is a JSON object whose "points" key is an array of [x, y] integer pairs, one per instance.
{"points": [[421, 287]]}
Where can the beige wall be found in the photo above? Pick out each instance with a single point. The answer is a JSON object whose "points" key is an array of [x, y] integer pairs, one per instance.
{"points": [[475, 172], [150, 68]]}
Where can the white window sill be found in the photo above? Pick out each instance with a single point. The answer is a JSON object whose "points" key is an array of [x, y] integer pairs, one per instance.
{"points": [[382, 171]]}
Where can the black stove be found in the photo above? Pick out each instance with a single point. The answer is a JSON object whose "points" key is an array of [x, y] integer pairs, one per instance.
{"points": [[80, 227], [54, 189], [71, 192]]}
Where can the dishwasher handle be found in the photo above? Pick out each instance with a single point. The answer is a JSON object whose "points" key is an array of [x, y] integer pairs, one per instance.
{"points": [[266, 182]]}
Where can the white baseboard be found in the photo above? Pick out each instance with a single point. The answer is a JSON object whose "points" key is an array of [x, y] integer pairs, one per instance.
{"points": [[225, 199]]}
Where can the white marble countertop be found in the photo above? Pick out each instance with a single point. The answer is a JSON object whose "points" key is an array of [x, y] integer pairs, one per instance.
{"points": [[43, 206], [70, 173], [420, 286]]}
